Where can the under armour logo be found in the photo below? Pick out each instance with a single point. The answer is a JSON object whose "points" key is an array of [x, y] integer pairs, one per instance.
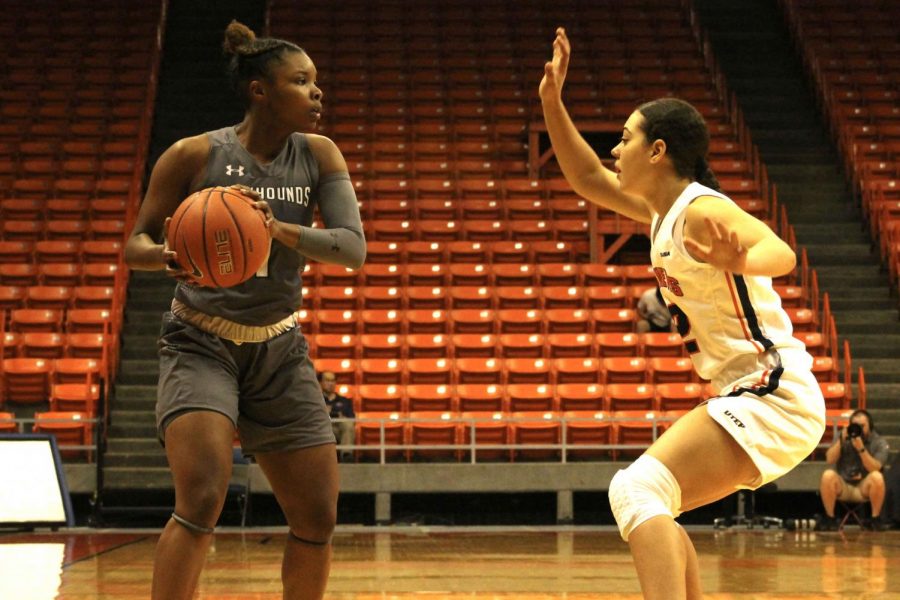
{"points": [[239, 170]]}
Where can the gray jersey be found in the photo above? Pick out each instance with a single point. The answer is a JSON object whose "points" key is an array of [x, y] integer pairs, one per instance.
{"points": [[850, 465], [289, 184]]}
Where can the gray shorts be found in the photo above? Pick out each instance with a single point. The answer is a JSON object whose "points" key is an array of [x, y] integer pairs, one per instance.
{"points": [[268, 389]]}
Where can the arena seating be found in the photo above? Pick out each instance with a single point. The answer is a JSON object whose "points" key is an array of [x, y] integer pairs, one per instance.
{"points": [[478, 299]]}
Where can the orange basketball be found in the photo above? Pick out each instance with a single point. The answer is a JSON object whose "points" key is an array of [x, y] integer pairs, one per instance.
{"points": [[219, 236]]}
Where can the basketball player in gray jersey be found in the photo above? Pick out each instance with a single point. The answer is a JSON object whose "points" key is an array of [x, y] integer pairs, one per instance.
{"points": [[235, 358]]}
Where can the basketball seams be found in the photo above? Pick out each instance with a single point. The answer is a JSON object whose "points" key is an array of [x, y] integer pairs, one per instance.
{"points": [[203, 240], [240, 233]]}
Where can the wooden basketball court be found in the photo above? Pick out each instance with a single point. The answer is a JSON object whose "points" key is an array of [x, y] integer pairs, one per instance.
{"points": [[398, 563]]}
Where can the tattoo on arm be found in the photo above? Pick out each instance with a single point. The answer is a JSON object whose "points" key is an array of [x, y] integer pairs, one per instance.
{"points": [[335, 247]]}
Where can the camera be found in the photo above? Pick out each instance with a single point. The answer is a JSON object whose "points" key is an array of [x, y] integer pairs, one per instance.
{"points": [[854, 430]]}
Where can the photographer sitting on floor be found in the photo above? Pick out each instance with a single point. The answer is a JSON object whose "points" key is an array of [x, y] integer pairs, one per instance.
{"points": [[858, 455]]}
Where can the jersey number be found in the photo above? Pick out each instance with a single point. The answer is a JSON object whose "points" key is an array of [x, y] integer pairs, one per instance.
{"points": [[264, 268], [683, 324]]}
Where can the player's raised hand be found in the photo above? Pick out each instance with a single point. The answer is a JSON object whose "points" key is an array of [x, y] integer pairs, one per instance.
{"points": [[724, 251], [556, 69]]}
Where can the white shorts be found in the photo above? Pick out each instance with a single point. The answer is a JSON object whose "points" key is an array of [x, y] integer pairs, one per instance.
{"points": [[776, 412]]}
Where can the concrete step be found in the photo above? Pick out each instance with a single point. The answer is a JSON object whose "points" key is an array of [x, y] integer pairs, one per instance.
{"points": [[872, 345], [137, 478], [135, 392], [148, 445], [835, 276], [139, 371], [133, 430], [135, 460], [139, 404], [840, 253], [141, 324], [844, 232], [878, 370], [139, 346], [866, 321], [131, 417], [847, 304]]}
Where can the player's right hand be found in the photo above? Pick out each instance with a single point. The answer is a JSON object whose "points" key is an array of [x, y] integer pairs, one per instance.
{"points": [[555, 71], [170, 260]]}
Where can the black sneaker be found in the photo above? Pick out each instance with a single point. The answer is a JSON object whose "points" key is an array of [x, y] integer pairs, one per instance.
{"points": [[874, 524], [827, 523]]}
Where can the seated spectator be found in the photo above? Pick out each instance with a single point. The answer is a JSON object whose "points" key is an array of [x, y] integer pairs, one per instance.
{"points": [[653, 313], [857, 455], [339, 407]]}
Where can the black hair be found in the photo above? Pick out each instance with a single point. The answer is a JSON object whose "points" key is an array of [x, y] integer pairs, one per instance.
{"points": [[252, 57], [682, 128], [862, 411]]}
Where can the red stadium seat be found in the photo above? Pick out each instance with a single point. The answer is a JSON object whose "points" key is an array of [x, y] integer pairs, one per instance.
{"points": [[333, 345], [588, 427], [530, 397], [34, 320], [661, 344], [430, 397], [617, 344], [577, 370], [375, 429], [535, 428], [432, 428], [484, 429], [381, 398], [671, 370], [630, 396], [521, 345], [624, 369], [429, 370], [43, 345], [26, 380], [471, 297], [69, 429], [475, 345], [427, 345], [570, 344], [517, 297], [475, 397], [388, 371], [679, 396], [472, 321], [528, 370]]}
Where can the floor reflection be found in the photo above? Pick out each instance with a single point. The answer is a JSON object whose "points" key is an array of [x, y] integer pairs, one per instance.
{"points": [[406, 563]]}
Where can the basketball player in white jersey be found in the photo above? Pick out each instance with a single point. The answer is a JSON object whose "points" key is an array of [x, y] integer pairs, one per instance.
{"points": [[714, 264]]}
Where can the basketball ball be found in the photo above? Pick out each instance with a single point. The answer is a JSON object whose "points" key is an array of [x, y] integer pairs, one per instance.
{"points": [[219, 236]]}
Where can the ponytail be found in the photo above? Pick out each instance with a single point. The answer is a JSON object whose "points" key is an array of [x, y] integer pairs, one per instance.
{"points": [[704, 175], [250, 57]]}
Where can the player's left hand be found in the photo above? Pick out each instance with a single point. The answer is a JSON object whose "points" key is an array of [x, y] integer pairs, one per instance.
{"points": [[724, 251], [266, 210]]}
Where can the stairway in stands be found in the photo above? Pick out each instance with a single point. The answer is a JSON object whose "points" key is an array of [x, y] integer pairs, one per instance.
{"points": [[193, 97], [755, 51]]}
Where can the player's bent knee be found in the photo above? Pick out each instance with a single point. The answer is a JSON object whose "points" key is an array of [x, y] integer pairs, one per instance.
{"points": [[644, 490]]}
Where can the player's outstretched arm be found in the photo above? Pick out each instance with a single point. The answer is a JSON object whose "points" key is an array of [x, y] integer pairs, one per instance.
{"points": [[580, 164]]}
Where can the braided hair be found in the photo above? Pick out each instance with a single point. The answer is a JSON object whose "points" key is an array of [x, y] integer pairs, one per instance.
{"points": [[684, 131], [251, 57]]}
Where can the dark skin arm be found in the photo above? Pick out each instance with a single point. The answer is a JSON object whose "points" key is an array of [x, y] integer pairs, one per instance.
{"points": [[175, 174], [330, 160]]}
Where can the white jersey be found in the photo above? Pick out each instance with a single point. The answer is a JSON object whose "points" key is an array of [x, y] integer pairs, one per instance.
{"points": [[721, 316]]}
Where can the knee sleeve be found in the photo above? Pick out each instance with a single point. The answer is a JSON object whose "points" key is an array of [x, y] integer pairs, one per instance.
{"points": [[644, 490], [192, 527]]}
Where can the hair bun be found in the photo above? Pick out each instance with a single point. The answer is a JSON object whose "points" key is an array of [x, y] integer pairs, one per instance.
{"points": [[238, 37]]}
